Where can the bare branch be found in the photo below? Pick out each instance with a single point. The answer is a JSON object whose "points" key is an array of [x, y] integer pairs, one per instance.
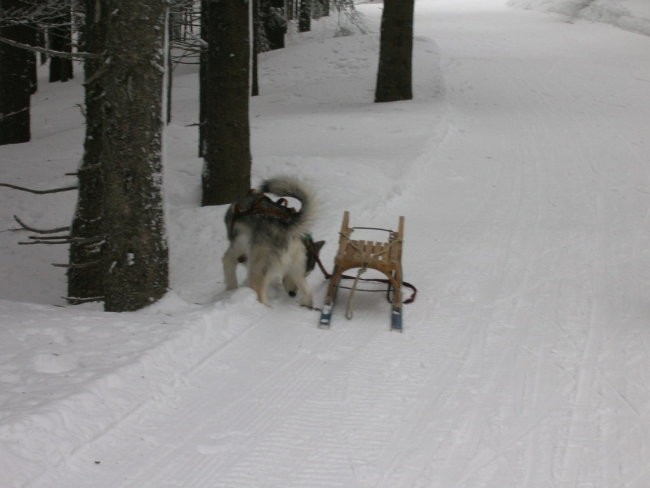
{"points": [[40, 241], [77, 266], [50, 52], [200, 41], [39, 192], [42, 13], [98, 73], [88, 242], [40, 231], [11, 114], [50, 238]]}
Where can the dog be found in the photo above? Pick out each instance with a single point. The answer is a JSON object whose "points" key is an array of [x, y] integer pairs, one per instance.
{"points": [[272, 239]]}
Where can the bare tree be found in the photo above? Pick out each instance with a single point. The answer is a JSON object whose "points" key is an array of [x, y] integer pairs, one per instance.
{"points": [[225, 92], [394, 76]]}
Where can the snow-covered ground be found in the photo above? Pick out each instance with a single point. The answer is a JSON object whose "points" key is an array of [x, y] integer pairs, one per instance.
{"points": [[633, 15], [522, 170]]}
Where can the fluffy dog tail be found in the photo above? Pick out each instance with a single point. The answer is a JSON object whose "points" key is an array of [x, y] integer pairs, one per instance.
{"points": [[285, 186]]}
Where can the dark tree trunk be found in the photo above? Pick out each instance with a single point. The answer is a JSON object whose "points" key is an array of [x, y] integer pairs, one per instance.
{"points": [[16, 80], [225, 92], [275, 28], [85, 272], [61, 40], [173, 33], [326, 7], [203, 83], [304, 19], [395, 52], [255, 88], [135, 255]]}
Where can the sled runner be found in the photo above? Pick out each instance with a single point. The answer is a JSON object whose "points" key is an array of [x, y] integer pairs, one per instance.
{"points": [[385, 257]]}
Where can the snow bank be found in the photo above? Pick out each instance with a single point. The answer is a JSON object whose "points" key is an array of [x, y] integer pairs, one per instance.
{"points": [[632, 15]]}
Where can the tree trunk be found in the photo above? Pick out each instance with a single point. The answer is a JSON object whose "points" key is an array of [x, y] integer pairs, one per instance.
{"points": [[135, 255], [304, 19], [173, 33], [61, 40], [225, 92], [326, 7], [203, 82], [290, 9], [255, 88], [394, 76], [87, 231], [16, 80]]}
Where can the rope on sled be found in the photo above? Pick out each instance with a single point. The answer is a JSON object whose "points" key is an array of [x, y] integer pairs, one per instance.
{"points": [[328, 276]]}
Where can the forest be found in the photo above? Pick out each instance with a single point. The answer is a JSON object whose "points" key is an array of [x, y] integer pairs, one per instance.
{"points": [[118, 252]]}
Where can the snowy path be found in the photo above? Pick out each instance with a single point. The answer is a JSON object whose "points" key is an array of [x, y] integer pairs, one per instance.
{"points": [[532, 229], [540, 218]]}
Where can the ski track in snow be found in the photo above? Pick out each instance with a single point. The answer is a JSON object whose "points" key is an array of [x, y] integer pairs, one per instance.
{"points": [[532, 210], [550, 282]]}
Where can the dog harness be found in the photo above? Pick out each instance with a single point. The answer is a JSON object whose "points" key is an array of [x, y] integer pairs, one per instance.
{"points": [[265, 207]]}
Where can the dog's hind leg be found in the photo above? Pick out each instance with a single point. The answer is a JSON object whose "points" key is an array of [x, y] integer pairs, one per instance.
{"points": [[258, 270], [229, 261], [257, 281]]}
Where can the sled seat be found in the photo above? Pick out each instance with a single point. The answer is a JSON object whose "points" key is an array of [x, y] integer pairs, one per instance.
{"points": [[385, 257]]}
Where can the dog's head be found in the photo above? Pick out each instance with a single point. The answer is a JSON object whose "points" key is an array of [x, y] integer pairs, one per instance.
{"points": [[312, 250]]}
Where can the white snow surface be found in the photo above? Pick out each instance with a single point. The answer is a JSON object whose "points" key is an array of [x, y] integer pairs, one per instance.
{"points": [[521, 167], [633, 15]]}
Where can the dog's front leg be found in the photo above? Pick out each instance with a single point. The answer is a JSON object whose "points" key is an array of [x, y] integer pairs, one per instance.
{"points": [[229, 261], [289, 286], [306, 299]]}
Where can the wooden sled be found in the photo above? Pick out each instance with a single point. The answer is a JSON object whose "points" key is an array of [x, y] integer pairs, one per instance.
{"points": [[385, 257]]}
